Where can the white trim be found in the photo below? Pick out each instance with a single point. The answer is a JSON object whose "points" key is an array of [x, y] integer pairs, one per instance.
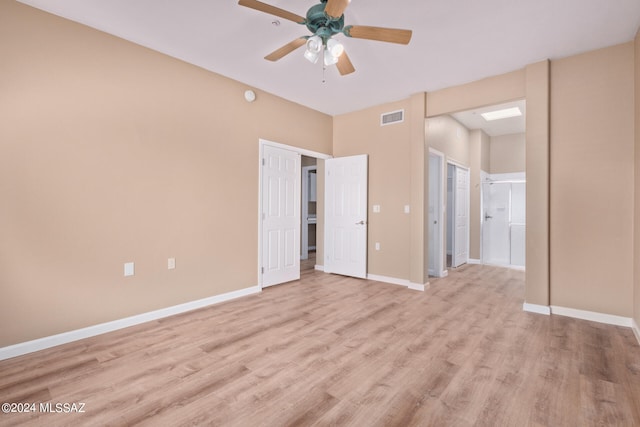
{"points": [[444, 273], [457, 163], [535, 308], [299, 150], [319, 267], [391, 280], [474, 261], [419, 286], [636, 329], [399, 282], [91, 331], [593, 316]]}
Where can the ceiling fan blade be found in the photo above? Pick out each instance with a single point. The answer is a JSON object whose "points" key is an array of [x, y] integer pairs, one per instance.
{"points": [[344, 65], [286, 49], [390, 35], [267, 8], [335, 8]]}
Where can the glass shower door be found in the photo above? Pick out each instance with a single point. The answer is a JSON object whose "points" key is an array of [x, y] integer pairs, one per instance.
{"points": [[496, 247]]}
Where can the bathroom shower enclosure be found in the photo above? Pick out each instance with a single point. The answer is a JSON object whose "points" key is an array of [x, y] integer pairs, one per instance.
{"points": [[503, 222]]}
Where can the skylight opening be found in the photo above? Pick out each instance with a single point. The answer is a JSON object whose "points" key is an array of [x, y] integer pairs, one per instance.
{"points": [[501, 114]]}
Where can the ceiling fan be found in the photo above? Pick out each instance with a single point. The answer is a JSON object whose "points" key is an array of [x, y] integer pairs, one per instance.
{"points": [[326, 20]]}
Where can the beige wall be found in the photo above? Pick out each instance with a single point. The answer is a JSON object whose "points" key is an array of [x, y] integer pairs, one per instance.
{"points": [[109, 153], [508, 153], [538, 182], [478, 147], [489, 91], [485, 153], [592, 187], [389, 151], [636, 245], [448, 136]]}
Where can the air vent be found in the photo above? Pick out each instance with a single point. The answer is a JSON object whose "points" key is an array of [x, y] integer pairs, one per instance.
{"points": [[392, 117]]}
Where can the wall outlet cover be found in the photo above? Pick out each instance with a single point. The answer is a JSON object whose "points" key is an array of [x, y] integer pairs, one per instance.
{"points": [[129, 269]]}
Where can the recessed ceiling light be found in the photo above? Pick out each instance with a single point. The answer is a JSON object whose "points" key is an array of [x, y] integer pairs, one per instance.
{"points": [[501, 114]]}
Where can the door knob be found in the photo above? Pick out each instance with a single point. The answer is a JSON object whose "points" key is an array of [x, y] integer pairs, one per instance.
{"points": [[487, 216], [361, 223]]}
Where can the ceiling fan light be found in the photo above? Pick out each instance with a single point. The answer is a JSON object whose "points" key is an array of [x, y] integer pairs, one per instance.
{"points": [[314, 44], [329, 59], [311, 56], [335, 48]]}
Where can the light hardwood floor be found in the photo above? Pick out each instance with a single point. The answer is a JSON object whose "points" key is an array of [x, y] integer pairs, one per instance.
{"points": [[330, 350]]}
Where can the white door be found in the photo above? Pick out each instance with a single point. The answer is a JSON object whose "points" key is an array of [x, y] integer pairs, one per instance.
{"points": [[345, 226], [461, 232], [435, 210], [280, 216]]}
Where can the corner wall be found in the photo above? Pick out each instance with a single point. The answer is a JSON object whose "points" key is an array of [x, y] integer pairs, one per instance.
{"points": [[390, 150], [592, 181], [110, 153]]}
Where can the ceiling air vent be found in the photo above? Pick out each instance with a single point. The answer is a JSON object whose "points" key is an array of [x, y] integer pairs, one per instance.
{"points": [[392, 117]]}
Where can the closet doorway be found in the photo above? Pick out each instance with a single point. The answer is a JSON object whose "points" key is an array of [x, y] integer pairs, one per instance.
{"points": [[309, 217], [457, 215]]}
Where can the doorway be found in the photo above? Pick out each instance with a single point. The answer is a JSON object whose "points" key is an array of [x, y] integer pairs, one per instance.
{"points": [[504, 222], [457, 215], [436, 213], [279, 211], [309, 216]]}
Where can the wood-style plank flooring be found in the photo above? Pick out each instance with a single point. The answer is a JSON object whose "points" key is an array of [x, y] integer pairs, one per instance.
{"points": [[331, 350]]}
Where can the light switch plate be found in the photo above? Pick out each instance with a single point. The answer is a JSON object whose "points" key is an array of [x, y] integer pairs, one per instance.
{"points": [[129, 269], [376, 208], [407, 209], [171, 263]]}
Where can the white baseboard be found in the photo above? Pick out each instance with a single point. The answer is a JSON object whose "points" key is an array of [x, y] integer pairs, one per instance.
{"points": [[67, 337], [636, 329], [391, 280], [593, 316], [474, 261], [319, 267], [400, 282], [419, 286], [535, 308]]}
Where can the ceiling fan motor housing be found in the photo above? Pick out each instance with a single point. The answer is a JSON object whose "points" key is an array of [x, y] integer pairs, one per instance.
{"points": [[320, 24]]}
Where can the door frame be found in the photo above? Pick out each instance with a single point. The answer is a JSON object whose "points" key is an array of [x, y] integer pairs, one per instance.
{"points": [[468, 197], [261, 144], [440, 269], [304, 217]]}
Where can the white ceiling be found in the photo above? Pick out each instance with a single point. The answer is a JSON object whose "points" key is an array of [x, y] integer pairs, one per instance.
{"points": [[454, 41], [472, 119]]}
